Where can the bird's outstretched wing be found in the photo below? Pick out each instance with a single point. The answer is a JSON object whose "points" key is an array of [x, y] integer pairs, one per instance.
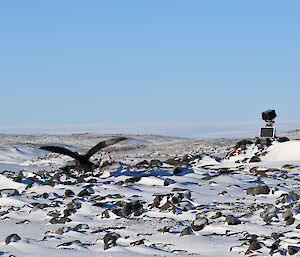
{"points": [[61, 150], [102, 145]]}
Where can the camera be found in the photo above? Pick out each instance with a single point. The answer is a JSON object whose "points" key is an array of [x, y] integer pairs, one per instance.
{"points": [[268, 131], [268, 115]]}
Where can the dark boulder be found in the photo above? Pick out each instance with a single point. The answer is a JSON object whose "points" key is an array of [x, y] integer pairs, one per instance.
{"points": [[293, 249], [69, 193], [9, 192], [110, 240], [186, 231], [232, 220], [258, 190], [12, 238], [199, 224]]}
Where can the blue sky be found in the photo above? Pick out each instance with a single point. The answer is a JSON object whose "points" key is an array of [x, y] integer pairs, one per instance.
{"points": [[113, 62]]}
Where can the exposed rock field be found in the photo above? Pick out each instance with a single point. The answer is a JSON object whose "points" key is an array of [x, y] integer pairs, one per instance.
{"points": [[160, 196]]}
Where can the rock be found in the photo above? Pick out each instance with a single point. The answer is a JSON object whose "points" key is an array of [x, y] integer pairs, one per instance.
{"points": [[69, 193], [168, 182], [155, 163], [186, 231], [61, 230], [62, 220], [134, 207], [9, 192], [287, 214], [81, 226], [133, 180], [142, 163], [137, 208], [261, 173], [275, 245], [183, 193], [45, 195], [232, 220], [92, 181], [42, 205], [74, 204], [275, 235], [105, 214], [164, 229], [177, 198], [110, 240], [127, 209], [288, 198], [269, 216], [139, 242], [178, 170], [185, 205], [23, 222], [157, 200], [292, 250], [248, 252], [269, 213], [70, 245], [181, 170], [282, 139], [255, 159], [19, 177], [12, 238], [86, 192], [254, 245], [199, 224], [80, 180], [68, 212], [175, 162], [242, 145], [294, 196], [258, 190], [217, 215], [289, 166], [166, 207], [290, 221], [54, 214], [49, 182]]}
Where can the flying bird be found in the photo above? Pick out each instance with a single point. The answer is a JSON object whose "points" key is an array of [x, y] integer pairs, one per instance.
{"points": [[83, 162]]}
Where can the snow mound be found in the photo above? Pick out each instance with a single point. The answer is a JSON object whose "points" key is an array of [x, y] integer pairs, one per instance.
{"points": [[287, 151], [17, 154]]}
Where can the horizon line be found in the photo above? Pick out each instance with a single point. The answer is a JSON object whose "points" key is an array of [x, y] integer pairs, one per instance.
{"points": [[143, 124]]}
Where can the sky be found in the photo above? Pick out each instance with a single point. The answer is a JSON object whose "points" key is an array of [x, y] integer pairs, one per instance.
{"points": [[132, 62]]}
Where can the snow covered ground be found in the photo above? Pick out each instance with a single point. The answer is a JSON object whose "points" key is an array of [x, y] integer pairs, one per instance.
{"points": [[162, 196]]}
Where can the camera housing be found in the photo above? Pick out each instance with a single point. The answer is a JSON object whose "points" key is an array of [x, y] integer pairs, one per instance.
{"points": [[269, 115], [268, 131]]}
